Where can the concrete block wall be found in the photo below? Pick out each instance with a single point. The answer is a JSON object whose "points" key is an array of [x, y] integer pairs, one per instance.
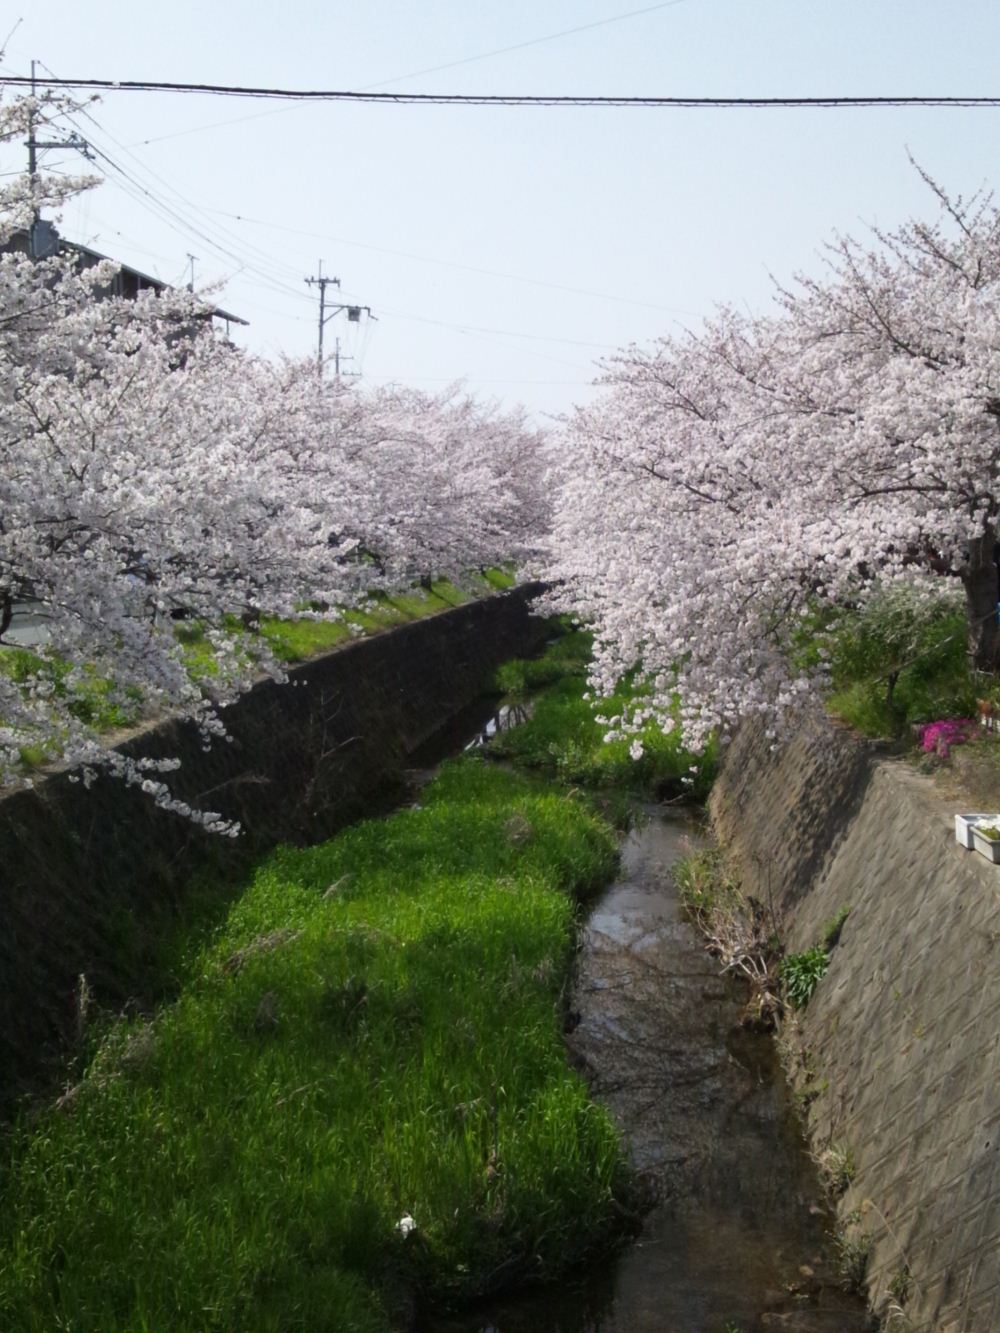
{"points": [[88, 877], [899, 1048]]}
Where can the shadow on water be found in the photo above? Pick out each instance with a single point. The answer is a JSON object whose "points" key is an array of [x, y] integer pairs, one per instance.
{"points": [[738, 1240]]}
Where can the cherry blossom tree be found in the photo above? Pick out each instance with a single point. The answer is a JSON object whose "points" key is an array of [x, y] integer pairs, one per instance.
{"points": [[439, 484], [733, 483], [150, 470]]}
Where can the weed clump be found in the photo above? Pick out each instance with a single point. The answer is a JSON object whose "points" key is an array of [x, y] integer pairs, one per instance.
{"points": [[737, 929], [801, 973]]}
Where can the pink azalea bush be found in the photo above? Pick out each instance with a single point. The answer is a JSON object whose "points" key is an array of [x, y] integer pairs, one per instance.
{"points": [[939, 737]]}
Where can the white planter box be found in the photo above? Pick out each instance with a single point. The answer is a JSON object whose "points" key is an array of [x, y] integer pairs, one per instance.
{"points": [[988, 847], [964, 825]]}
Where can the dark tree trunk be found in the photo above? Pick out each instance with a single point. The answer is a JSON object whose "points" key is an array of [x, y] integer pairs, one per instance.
{"points": [[982, 590]]}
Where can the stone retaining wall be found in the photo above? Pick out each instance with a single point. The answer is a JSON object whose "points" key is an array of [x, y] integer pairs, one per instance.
{"points": [[898, 1048], [87, 878]]}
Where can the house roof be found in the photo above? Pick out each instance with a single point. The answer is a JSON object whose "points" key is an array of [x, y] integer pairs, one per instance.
{"points": [[144, 279], [51, 240]]}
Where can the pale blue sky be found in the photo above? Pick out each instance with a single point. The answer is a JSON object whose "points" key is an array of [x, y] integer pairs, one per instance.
{"points": [[649, 216]]}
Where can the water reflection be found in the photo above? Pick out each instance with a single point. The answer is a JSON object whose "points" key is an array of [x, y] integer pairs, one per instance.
{"points": [[505, 717]]}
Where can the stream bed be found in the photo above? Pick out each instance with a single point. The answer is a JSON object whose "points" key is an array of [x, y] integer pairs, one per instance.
{"points": [[739, 1239]]}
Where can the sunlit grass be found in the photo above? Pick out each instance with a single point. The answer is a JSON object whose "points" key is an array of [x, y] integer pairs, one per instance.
{"points": [[375, 1031], [297, 640], [563, 737]]}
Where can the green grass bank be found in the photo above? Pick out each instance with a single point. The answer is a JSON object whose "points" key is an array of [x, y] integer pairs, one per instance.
{"points": [[97, 704], [374, 1033]]}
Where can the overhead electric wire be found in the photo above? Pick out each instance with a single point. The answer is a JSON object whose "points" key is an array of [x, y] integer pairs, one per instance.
{"points": [[534, 41], [436, 69], [186, 228], [451, 263], [271, 272], [260, 265], [271, 282], [505, 99], [182, 226], [168, 213], [108, 228], [177, 217], [471, 379], [464, 331], [473, 329]]}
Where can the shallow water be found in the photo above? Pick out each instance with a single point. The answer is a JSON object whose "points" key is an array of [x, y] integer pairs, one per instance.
{"points": [[739, 1237]]}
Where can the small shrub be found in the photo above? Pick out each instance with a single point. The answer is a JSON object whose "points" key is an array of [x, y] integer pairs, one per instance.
{"points": [[833, 927], [853, 1254], [737, 930], [900, 658], [801, 973], [703, 882], [899, 1284]]}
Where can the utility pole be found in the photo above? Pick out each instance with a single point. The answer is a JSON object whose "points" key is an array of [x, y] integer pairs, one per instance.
{"points": [[337, 358], [354, 313], [32, 167], [191, 259], [34, 146], [322, 283], [32, 160]]}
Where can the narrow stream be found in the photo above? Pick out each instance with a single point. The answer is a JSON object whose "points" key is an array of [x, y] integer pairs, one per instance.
{"points": [[738, 1241]]}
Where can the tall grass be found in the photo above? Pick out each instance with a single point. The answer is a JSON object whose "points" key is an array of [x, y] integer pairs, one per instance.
{"points": [[375, 1032], [563, 737]]}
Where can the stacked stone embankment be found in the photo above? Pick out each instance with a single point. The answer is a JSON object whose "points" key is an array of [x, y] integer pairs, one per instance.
{"points": [[88, 877], [899, 1047]]}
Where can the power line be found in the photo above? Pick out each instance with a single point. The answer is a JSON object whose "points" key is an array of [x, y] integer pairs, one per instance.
{"points": [[451, 263], [184, 226], [534, 41], [503, 333], [436, 69], [472, 379], [497, 99], [257, 261]]}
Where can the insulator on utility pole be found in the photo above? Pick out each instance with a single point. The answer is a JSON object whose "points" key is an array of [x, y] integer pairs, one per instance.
{"points": [[327, 312]]}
